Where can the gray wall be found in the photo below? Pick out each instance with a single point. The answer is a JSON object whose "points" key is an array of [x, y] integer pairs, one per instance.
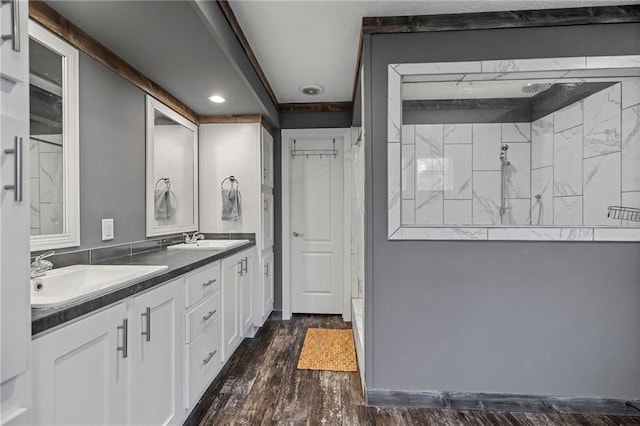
{"points": [[315, 120], [112, 155], [557, 318]]}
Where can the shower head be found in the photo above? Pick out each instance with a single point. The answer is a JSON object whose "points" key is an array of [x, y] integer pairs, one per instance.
{"points": [[538, 197], [535, 87]]}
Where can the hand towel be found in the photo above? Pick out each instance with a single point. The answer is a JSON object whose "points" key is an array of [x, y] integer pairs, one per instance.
{"points": [[231, 204], [163, 208]]}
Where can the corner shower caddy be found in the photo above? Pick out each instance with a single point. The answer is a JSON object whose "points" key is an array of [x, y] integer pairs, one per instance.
{"points": [[623, 213]]}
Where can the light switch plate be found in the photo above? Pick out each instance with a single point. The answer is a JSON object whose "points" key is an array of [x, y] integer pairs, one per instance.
{"points": [[107, 229]]}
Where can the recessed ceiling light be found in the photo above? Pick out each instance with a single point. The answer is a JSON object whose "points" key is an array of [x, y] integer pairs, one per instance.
{"points": [[217, 99], [311, 89]]}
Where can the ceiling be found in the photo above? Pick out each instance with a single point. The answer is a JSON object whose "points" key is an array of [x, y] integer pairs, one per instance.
{"points": [[316, 42], [295, 42], [168, 42]]}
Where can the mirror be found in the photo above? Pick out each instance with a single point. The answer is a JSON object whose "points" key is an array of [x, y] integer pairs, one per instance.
{"points": [[172, 171], [53, 147], [515, 149]]}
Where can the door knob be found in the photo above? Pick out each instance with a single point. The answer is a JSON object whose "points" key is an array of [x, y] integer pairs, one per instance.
{"points": [[297, 234]]}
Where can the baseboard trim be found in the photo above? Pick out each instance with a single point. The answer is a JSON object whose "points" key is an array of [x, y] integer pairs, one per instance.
{"points": [[502, 402]]}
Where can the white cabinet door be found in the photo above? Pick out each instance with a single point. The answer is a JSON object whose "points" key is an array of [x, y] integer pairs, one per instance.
{"points": [[14, 267], [231, 300], [267, 158], [247, 290], [157, 342], [267, 221], [80, 374], [13, 53], [267, 285]]}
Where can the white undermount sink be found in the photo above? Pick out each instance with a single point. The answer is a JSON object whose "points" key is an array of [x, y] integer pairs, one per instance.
{"points": [[209, 245], [74, 283]]}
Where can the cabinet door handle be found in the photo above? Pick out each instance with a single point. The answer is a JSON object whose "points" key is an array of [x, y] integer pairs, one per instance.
{"points": [[15, 25], [147, 315], [240, 271], [209, 315], [125, 338], [266, 204], [208, 283], [266, 270], [246, 265], [208, 358], [17, 169]]}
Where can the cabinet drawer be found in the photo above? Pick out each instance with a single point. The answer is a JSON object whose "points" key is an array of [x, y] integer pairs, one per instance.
{"points": [[203, 362], [202, 316], [201, 284]]}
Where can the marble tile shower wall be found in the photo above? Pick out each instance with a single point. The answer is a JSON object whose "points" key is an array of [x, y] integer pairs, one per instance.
{"points": [[45, 183], [586, 157], [451, 174]]}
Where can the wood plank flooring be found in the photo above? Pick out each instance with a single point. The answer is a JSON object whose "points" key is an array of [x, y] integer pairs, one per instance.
{"points": [[260, 385]]}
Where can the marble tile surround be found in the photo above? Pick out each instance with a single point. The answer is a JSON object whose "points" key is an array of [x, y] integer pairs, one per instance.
{"points": [[46, 185], [539, 158]]}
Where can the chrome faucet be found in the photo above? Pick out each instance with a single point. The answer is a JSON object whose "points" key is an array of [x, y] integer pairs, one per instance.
{"points": [[40, 266], [193, 239]]}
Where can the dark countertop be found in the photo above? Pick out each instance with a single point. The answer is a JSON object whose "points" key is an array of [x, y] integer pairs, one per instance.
{"points": [[179, 262]]}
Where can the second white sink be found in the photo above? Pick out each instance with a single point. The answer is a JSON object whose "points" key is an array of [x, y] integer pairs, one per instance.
{"points": [[74, 283], [209, 245]]}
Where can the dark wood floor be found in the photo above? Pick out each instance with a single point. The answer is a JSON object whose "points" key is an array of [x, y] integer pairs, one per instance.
{"points": [[261, 385]]}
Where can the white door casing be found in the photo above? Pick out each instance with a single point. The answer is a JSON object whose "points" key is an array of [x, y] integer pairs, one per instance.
{"points": [[313, 207]]}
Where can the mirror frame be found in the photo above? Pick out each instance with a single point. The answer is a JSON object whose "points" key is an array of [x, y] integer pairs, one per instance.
{"points": [[397, 231], [70, 142], [153, 230]]}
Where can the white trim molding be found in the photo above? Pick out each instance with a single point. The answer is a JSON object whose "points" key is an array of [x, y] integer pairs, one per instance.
{"points": [[70, 236], [600, 68]]}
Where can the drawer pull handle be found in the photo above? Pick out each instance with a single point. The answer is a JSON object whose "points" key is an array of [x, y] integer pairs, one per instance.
{"points": [[17, 171], [125, 339], [208, 283], [209, 315], [147, 315], [15, 25], [207, 359]]}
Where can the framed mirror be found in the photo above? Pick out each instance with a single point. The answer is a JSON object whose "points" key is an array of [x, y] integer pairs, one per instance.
{"points": [[526, 149], [54, 141], [172, 171]]}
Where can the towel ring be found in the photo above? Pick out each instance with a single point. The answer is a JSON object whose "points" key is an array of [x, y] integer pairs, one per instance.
{"points": [[167, 183], [232, 179]]}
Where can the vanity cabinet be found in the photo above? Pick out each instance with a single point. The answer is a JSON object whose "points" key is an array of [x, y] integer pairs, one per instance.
{"points": [[267, 158], [267, 286], [203, 329], [118, 366], [245, 151], [81, 371], [15, 312], [157, 332], [237, 300]]}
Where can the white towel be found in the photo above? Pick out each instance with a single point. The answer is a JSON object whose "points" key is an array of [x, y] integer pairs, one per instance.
{"points": [[231, 204], [163, 208]]}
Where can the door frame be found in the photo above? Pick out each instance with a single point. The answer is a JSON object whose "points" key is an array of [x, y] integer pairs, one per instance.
{"points": [[287, 135]]}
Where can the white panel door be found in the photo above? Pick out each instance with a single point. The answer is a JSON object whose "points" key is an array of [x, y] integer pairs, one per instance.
{"points": [[80, 376], [317, 229], [267, 285], [267, 221], [231, 333], [267, 158], [247, 290], [156, 380]]}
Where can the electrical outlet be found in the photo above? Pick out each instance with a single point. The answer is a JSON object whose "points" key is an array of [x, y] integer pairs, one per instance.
{"points": [[107, 229]]}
